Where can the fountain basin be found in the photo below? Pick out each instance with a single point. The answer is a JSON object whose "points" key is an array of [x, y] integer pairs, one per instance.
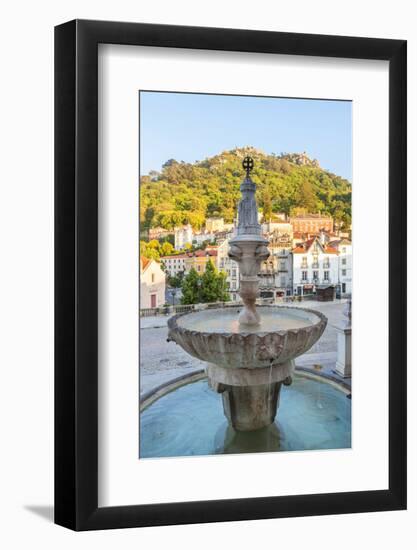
{"points": [[187, 420], [215, 335]]}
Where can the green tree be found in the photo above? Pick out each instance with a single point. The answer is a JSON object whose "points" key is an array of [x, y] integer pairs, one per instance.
{"points": [[213, 285], [150, 250], [267, 206], [306, 197], [190, 288], [176, 281], [166, 248], [153, 244]]}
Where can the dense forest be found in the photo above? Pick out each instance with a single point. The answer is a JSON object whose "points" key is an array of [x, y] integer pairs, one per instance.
{"points": [[290, 183]]}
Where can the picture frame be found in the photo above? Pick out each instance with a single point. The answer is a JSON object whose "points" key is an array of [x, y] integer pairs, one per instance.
{"points": [[76, 274]]}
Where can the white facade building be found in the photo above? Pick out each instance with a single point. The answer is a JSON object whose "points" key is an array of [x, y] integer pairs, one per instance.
{"points": [[174, 264], [315, 264], [152, 284], [203, 237], [214, 224], [345, 266], [183, 235], [230, 267], [276, 271]]}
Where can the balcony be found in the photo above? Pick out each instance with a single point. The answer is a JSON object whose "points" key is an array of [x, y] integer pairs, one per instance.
{"points": [[311, 281], [266, 284]]}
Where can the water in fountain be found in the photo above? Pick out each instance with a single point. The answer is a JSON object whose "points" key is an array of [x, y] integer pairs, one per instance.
{"points": [[189, 421], [272, 320]]}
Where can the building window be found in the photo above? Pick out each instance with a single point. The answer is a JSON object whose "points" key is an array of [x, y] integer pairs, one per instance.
{"points": [[326, 275], [344, 272], [304, 275], [315, 275], [344, 261], [153, 277], [199, 268], [344, 250]]}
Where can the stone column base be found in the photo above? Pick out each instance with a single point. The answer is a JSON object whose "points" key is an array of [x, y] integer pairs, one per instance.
{"points": [[344, 353], [250, 396]]}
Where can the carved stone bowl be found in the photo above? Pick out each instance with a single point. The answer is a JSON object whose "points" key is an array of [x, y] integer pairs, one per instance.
{"points": [[215, 336]]}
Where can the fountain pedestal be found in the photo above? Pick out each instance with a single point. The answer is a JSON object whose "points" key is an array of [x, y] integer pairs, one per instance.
{"points": [[250, 396]]}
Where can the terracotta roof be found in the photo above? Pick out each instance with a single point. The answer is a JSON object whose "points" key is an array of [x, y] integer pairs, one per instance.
{"points": [[311, 217], [172, 256], [304, 247], [144, 262], [201, 253], [299, 250]]}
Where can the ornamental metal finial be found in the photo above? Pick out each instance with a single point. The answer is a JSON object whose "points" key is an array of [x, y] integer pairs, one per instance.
{"points": [[248, 165]]}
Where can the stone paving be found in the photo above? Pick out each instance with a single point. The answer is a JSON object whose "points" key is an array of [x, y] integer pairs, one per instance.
{"points": [[161, 361]]}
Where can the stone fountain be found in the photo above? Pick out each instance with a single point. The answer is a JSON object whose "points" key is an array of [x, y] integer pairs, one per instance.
{"points": [[250, 350]]}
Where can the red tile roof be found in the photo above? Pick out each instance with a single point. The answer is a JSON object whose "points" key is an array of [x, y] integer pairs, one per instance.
{"points": [[304, 247], [201, 253], [144, 262]]}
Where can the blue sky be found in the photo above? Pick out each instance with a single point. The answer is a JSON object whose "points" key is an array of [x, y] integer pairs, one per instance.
{"points": [[191, 127]]}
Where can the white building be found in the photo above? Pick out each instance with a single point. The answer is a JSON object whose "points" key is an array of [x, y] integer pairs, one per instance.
{"points": [[344, 249], [175, 264], [345, 266], [152, 284], [281, 227], [214, 224], [276, 271], [203, 237], [183, 235], [230, 267], [315, 264]]}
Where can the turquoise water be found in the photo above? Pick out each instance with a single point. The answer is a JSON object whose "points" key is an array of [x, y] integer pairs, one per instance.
{"points": [[273, 319], [190, 422]]}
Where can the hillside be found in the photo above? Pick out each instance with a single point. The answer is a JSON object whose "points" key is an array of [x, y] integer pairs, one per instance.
{"points": [[290, 183]]}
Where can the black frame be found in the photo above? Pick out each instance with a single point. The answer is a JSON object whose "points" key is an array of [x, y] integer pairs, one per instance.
{"points": [[76, 270]]}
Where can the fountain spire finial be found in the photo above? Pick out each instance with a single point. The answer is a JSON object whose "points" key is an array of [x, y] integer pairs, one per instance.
{"points": [[247, 164], [249, 247]]}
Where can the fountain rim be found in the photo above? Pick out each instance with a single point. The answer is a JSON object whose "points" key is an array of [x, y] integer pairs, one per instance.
{"points": [[173, 324]]}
